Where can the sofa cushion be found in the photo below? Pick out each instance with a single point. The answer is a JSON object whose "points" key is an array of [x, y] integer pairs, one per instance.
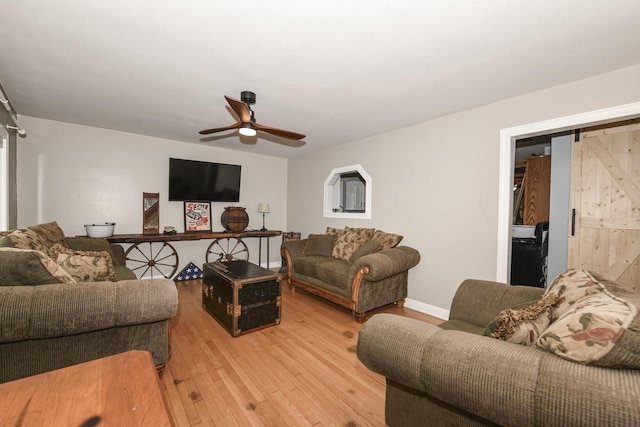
{"points": [[367, 248], [28, 267], [523, 324], [85, 266], [592, 323], [386, 240], [349, 241], [319, 245], [308, 265], [335, 272]]}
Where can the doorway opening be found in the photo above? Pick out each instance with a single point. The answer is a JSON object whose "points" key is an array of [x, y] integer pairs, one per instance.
{"points": [[531, 194], [508, 138]]}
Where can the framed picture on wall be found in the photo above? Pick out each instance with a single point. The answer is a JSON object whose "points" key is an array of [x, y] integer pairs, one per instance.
{"points": [[150, 213], [197, 216]]}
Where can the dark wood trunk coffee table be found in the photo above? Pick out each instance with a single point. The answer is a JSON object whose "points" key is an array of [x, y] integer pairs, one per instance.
{"points": [[241, 296]]}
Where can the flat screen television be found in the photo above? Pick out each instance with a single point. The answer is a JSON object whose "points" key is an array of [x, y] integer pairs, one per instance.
{"points": [[192, 180]]}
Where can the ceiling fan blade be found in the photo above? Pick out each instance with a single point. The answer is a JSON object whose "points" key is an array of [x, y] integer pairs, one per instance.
{"points": [[279, 132], [214, 130], [240, 109]]}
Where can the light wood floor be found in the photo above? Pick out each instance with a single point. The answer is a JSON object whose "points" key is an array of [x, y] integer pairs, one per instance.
{"points": [[302, 372]]}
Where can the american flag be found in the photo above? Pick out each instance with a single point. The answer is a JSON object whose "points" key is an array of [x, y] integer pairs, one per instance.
{"points": [[190, 272]]}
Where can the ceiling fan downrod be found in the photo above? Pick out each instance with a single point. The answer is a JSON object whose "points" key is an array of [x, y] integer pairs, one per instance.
{"points": [[249, 98]]}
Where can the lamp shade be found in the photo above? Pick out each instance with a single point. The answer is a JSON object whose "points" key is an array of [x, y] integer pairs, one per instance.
{"points": [[263, 207]]}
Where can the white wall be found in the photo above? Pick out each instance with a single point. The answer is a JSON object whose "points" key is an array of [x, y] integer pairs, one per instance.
{"points": [[78, 175], [437, 182]]}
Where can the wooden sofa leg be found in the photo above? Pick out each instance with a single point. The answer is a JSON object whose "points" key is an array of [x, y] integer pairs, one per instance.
{"points": [[160, 370], [359, 317], [400, 303]]}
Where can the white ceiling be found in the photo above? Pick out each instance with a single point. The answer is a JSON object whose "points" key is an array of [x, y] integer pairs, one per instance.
{"points": [[336, 70]]}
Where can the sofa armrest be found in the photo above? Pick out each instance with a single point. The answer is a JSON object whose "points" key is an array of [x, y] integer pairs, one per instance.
{"points": [[386, 263], [478, 302], [508, 384], [393, 346], [294, 247], [46, 311], [119, 258]]}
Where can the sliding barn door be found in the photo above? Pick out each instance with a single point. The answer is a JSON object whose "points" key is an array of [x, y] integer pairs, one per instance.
{"points": [[605, 204]]}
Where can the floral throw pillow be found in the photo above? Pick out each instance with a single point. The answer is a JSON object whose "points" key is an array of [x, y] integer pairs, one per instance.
{"points": [[51, 233], [386, 240], [85, 266], [591, 328], [38, 238], [24, 238], [349, 241], [334, 231], [523, 325], [571, 286]]}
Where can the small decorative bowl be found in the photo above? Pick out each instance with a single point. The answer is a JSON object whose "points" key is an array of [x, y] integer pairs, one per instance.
{"points": [[100, 230]]}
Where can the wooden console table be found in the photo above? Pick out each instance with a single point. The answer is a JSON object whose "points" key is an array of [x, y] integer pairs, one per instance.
{"points": [[152, 253], [119, 390]]}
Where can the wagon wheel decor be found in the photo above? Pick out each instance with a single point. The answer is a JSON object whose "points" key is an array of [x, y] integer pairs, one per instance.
{"points": [[227, 249], [158, 259]]}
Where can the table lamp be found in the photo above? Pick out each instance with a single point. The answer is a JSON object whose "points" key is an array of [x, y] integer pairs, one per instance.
{"points": [[263, 208]]}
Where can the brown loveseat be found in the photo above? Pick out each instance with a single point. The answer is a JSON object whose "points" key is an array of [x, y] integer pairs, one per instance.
{"points": [[65, 301], [357, 268], [452, 375]]}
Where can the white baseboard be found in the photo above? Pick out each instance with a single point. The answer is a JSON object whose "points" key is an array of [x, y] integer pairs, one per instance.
{"points": [[429, 309]]}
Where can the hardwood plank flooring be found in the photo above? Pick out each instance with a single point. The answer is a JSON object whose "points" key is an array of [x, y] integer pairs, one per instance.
{"points": [[303, 372]]}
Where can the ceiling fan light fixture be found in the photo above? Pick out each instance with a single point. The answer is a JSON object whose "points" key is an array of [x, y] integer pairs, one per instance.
{"points": [[247, 130]]}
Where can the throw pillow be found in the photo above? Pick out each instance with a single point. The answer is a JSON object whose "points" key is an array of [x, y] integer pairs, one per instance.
{"points": [[367, 248], [85, 266], [523, 324], [90, 244], [600, 328], [319, 245], [334, 231], [349, 241], [571, 286], [24, 238], [50, 232], [28, 267], [386, 240]]}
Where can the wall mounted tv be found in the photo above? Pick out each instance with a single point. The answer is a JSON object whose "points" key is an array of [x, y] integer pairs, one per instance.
{"points": [[192, 180]]}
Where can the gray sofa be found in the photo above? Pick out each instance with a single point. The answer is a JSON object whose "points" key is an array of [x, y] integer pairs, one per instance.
{"points": [[452, 375], [361, 275], [48, 321]]}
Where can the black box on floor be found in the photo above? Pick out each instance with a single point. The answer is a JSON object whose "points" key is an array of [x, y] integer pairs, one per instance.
{"points": [[241, 296]]}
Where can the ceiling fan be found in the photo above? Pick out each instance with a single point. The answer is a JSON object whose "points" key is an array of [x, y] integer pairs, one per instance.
{"points": [[247, 125]]}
